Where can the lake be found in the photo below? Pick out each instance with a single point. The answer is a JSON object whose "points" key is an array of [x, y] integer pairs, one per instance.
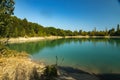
{"points": [[92, 55]]}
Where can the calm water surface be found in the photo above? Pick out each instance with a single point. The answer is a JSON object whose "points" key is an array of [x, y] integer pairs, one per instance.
{"points": [[93, 55]]}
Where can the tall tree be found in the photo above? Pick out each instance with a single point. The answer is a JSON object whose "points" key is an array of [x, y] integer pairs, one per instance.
{"points": [[111, 32], [118, 30], [80, 32], [6, 7], [118, 27], [6, 10]]}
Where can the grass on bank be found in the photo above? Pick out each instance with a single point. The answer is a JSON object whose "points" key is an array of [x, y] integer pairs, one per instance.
{"points": [[18, 66]]}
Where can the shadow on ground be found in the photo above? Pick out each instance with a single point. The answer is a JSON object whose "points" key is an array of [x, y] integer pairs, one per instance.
{"points": [[69, 73], [109, 76]]}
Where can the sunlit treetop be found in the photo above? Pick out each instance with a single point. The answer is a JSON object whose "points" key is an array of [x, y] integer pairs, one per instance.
{"points": [[7, 7]]}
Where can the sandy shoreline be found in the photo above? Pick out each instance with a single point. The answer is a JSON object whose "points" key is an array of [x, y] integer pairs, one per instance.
{"points": [[30, 39]]}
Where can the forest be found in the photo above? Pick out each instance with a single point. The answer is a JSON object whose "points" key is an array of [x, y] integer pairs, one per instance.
{"points": [[12, 26], [16, 27]]}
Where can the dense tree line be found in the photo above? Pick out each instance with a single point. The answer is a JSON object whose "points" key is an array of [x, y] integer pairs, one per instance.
{"points": [[16, 27], [110, 32], [11, 26], [23, 28]]}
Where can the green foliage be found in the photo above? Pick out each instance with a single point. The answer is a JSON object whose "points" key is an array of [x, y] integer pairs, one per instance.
{"points": [[22, 28], [11, 26], [6, 7], [111, 32], [5, 52], [6, 10], [117, 33], [75, 33]]}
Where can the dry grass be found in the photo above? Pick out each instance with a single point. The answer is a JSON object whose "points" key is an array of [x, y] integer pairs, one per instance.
{"points": [[4, 52], [18, 68]]}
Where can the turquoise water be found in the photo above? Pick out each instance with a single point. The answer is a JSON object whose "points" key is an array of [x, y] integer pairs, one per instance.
{"points": [[92, 55]]}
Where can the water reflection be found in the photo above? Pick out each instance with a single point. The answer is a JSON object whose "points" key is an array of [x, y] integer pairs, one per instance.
{"points": [[35, 47], [93, 55]]}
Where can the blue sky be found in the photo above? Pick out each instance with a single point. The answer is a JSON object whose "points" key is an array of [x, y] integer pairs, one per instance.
{"points": [[70, 14]]}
